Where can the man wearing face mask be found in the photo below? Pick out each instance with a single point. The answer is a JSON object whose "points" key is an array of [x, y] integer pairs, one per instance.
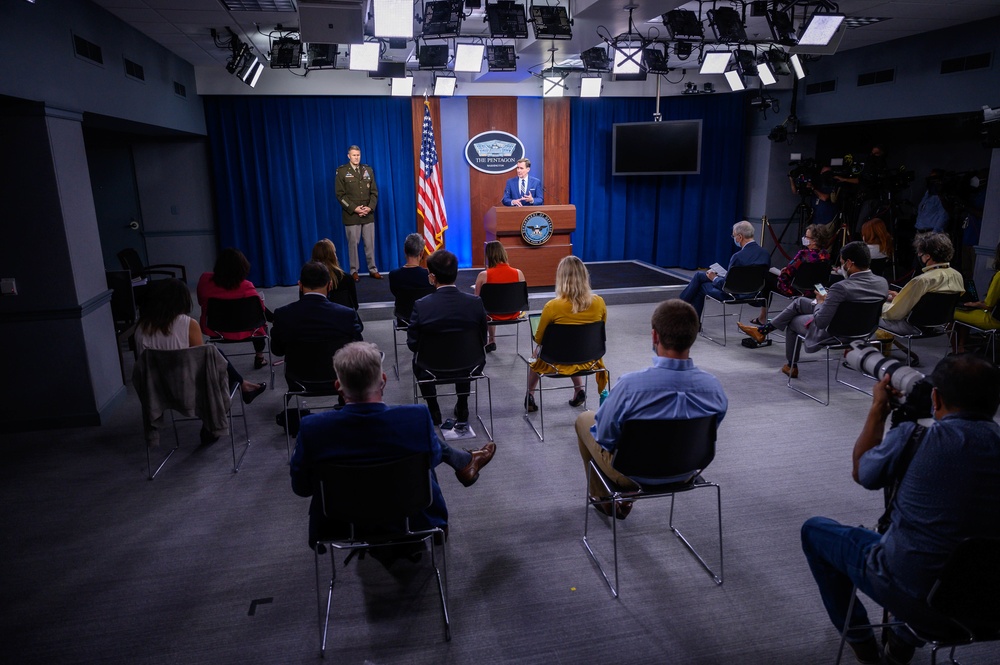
{"points": [[947, 492], [810, 317], [710, 282], [671, 389]]}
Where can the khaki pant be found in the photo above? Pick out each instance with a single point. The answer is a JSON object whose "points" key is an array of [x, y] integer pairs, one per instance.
{"points": [[591, 450], [365, 232]]}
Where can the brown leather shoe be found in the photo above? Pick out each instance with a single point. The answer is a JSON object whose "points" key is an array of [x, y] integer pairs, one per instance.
{"points": [[791, 371], [356, 276], [752, 331], [622, 508], [375, 273], [480, 458]]}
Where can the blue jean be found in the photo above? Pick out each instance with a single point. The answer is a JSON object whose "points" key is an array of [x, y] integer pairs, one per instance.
{"points": [[696, 290]]}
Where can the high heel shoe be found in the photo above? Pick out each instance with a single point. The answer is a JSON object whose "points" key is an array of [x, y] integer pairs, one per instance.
{"points": [[251, 395], [579, 398], [259, 361], [529, 403]]}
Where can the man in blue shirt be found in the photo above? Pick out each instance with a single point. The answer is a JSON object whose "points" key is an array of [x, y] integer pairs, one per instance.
{"points": [[710, 282], [949, 491], [671, 389]]}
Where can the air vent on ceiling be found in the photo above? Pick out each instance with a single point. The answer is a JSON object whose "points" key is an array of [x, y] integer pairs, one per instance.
{"points": [[88, 50], [821, 87], [134, 70], [966, 63], [180, 90], [871, 78]]}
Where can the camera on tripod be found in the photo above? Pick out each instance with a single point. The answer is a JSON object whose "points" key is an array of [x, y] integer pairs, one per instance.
{"points": [[915, 387], [803, 175]]}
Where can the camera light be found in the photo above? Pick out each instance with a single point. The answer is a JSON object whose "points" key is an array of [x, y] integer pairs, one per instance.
{"points": [[735, 80]]}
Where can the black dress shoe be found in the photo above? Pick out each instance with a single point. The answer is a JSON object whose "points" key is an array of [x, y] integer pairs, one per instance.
{"points": [[462, 413], [579, 398], [251, 395], [259, 361], [207, 437], [480, 458], [491, 347], [529, 404], [435, 414]]}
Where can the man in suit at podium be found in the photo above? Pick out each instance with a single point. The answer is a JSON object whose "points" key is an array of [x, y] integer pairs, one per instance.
{"points": [[523, 190]]}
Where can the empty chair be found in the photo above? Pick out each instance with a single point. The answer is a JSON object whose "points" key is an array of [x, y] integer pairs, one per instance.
{"points": [[666, 458], [130, 260], [743, 286]]}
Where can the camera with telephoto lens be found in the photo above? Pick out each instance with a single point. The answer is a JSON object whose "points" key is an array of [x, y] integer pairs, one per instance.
{"points": [[915, 387]]}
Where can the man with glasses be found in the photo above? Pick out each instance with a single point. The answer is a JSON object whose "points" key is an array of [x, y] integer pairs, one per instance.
{"points": [[810, 317], [710, 282]]}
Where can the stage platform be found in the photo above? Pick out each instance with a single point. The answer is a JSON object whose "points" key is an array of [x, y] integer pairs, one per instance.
{"points": [[618, 282]]}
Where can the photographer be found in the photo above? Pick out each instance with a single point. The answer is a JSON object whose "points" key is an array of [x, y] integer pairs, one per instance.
{"points": [[948, 489]]}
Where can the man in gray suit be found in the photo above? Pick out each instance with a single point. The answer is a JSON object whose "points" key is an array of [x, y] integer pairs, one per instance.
{"points": [[810, 318]]}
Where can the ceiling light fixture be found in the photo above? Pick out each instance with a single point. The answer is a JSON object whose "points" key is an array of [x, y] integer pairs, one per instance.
{"points": [[402, 87], [443, 18], [469, 58], [364, 57], [590, 86], [735, 80], [393, 18], [444, 86], [715, 62]]}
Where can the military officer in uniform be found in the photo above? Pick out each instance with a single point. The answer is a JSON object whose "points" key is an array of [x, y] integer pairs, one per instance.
{"points": [[357, 193]]}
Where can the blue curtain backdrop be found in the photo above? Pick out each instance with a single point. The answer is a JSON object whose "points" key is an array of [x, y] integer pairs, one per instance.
{"points": [[680, 220], [274, 160]]}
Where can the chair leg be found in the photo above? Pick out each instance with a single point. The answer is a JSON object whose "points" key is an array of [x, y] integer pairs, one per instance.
{"points": [[795, 354], [233, 398], [442, 580], [614, 528], [324, 616], [718, 500], [541, 416]]}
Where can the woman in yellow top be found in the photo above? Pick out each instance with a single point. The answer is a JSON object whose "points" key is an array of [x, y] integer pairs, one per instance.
{"points": [[980, 314], [574, 304]]}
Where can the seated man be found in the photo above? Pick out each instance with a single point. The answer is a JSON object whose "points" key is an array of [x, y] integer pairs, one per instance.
{"points": [[934, 251], [811, 317], [368, 430], [445, 310], [671, 389], [313, 318], [949, 491], [710, 283]]}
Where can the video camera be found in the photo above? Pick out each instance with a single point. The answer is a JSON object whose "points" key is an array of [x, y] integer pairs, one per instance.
{"points": [[803, 175], [915, 387]]}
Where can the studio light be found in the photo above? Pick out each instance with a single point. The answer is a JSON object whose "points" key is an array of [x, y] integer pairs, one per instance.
{"points": [[501, 58], [286, 53], [655, 61], [746, 63], [727, 25], [596, 59], [684, 24], [507, 19], [764, 71], [551, 22], [781, 27], [250, 72], [735, 80], [432, 56], [628, 61], [443, 18], [469, 58], [715, 62], [796, 63], [321, 56], [393, 18], [444, 86], [590, 86], [821, 29], [402, 87], [364, 57]]}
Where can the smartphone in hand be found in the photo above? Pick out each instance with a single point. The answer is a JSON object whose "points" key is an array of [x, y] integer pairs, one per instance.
{"points": [[820, 289]]}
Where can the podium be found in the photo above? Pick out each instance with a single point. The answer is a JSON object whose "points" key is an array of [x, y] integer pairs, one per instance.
{"points": [[537, 262]]}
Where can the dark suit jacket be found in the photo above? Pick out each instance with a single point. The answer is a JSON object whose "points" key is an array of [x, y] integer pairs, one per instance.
{"points": [[362, 433], [313, 318], [512, 191], [446, 310], [751, 254]]}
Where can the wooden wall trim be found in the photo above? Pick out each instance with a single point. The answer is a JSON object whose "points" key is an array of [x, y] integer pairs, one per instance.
{"points": [[485, 189], [556, 136]]}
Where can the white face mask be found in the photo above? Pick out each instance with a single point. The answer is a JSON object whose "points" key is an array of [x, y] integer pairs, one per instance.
{"points": [[974, 182], [737, 243], [806, 241]]}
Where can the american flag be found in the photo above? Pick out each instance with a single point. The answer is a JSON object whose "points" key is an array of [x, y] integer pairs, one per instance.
{"points": [[430, 194]]}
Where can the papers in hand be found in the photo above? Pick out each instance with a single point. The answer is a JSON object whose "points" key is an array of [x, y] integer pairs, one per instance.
{"points": [[718, 270]]}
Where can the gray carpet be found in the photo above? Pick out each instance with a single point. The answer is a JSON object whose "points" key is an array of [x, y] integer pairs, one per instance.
{"points": [[101, 565]]}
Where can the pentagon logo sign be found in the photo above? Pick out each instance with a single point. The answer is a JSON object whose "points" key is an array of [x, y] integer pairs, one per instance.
{"points": [[494, 152]]}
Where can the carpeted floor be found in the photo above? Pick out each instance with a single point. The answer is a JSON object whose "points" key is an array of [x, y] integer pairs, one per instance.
{"points": [[206, 566]]}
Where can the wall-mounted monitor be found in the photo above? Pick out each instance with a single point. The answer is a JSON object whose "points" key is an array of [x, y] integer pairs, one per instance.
{"points": [[656, 148]]}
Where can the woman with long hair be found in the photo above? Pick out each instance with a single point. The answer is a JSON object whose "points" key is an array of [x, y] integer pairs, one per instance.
{"points": [[343, 290], [498, 271], [228, 281], [574, 304], [877, 237]]}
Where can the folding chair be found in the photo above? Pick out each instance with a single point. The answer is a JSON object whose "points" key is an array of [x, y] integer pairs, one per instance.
{"points": [[743, 285], [309, 373], [508, 298], [990, 333], [567, 344], [669, 457], [852, 321], [401, 312], [239, 315], [805, 280], [377, 519], [130, 260], [963, 604], [159, 379], [932, 316], [450, 357]]}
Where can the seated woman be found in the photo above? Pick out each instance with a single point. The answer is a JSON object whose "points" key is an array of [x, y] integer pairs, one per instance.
{"points": [[574, 304], [980, 313], [816, 248], [879, 242], [344, 291], [498, 271], [228, 281], [165, 325]]}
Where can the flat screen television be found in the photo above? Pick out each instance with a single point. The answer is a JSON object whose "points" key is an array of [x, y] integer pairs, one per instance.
{"points": [[656, 148]]}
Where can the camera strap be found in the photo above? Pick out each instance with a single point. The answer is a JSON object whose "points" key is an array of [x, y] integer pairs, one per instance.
{"points": [[909, 450]]}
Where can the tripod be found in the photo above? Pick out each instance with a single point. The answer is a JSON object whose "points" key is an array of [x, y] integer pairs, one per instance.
{"points": [[801, 216]]}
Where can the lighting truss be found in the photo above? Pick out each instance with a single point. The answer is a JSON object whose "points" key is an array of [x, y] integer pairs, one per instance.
{"points": [[551, 22], [443, 18]]}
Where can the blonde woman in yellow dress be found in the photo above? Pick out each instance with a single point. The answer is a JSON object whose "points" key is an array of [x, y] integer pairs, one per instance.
{"points": [[574, 304]]}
